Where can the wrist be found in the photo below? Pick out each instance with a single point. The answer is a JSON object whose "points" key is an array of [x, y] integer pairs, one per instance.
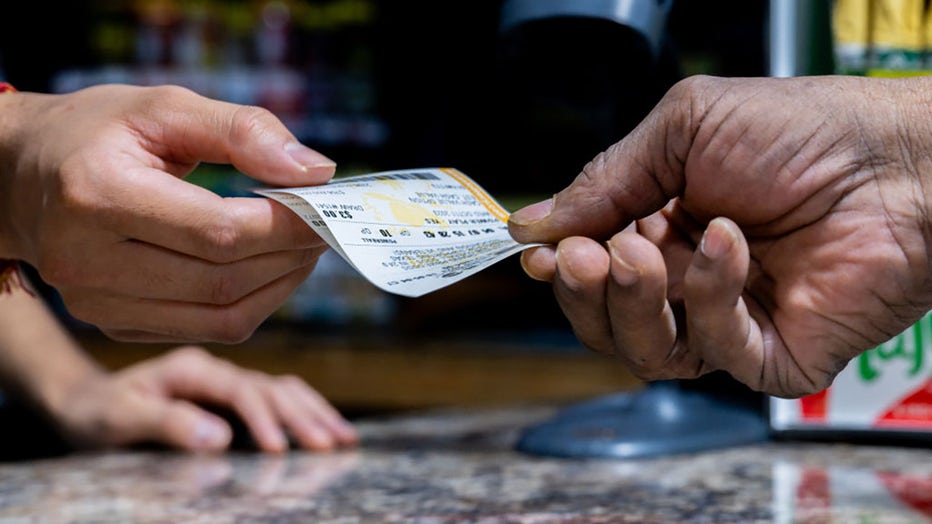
{"points": [[10, 104], [9, 268], [54, 389], [914, 136], [38, 357]]}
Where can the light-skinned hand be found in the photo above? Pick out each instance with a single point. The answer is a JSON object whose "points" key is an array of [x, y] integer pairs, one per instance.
{"points": [[161, 400], [92, 194]]}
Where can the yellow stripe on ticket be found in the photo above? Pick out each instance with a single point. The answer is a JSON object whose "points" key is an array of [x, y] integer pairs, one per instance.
{"points": [[484, 198]]}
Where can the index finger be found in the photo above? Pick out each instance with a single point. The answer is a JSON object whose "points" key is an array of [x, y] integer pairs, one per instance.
{"points": [[177, 215], [181, 126]]}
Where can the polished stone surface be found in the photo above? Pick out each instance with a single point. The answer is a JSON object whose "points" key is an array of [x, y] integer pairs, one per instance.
{"points": [[460, 467]]}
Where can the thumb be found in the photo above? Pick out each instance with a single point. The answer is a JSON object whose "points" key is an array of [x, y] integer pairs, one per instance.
{"points": [[278, 158], [632, 179]]}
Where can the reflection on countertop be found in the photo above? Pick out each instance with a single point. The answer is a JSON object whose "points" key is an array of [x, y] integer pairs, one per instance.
{"points": [[459, 466]]}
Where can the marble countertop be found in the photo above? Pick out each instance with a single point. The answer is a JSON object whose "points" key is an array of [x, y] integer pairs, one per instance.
{"points": [[461, 467]]}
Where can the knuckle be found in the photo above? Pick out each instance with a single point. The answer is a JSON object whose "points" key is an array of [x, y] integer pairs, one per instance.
{"points": [[234, 336], [186, 357], [290, 381], [249, 390], [249, 122], [592, 171], [157, 94], [235, 327], [311, 256], [59, 271], [257, 377], [222, 236], [690, 87], [161, 98], [692, 97]]}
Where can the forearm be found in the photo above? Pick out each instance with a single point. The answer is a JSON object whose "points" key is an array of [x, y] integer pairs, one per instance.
{"points": [[38, 357]]}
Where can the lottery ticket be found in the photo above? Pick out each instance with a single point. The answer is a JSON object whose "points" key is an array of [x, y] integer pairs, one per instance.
{"points": [[408, 232]]}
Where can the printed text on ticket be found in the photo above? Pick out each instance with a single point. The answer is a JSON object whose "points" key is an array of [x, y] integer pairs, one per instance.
{"points": [[409, 232]]}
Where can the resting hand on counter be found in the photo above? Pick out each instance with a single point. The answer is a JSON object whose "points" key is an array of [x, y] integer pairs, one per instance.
{"points": [[154, 400], [92, 194], [157, 400], [772, 228]]}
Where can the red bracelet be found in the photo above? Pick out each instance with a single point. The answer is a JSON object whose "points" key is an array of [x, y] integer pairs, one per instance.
{"points": [[9, 269], [10, 279]]}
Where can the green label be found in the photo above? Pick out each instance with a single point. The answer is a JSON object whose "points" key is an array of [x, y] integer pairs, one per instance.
{"points": [[909, 346]]}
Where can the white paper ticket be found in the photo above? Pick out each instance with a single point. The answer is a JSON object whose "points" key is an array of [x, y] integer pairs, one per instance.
{"points": [[409, 232]]}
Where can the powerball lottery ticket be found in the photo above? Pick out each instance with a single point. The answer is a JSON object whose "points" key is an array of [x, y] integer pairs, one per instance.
{"points": [[408, 232]]}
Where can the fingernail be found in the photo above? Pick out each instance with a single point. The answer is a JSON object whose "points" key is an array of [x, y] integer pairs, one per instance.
{"points": [[306, 157], [623, 272], [211, 434], [717, 240], [532, 213]]}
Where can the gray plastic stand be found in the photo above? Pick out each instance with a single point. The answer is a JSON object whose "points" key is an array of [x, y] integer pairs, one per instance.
{"points": [[660, 419]]}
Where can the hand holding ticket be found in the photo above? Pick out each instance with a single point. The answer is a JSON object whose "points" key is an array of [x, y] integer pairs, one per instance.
{"points": [[409, 232]]}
